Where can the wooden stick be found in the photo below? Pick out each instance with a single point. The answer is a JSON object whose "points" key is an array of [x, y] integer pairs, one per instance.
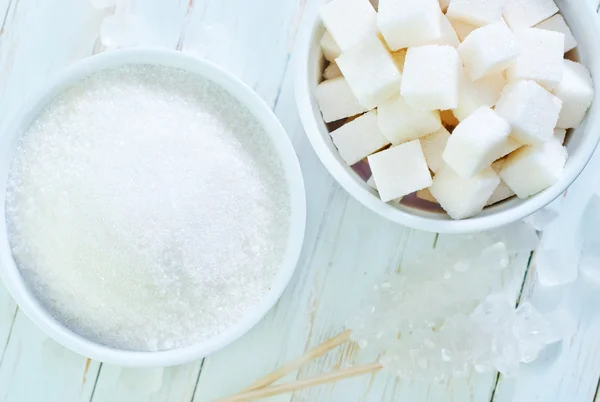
{"points": [[301, 384], [296, 364]]}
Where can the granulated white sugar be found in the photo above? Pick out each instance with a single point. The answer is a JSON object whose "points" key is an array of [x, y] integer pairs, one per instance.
{"points": [[147, 208]]}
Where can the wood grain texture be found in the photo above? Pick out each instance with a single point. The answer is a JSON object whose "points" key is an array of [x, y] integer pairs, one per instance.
{"points": [[347, 247]]}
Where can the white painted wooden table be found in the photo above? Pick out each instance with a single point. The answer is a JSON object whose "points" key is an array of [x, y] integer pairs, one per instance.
{"points": [[347, 247]]}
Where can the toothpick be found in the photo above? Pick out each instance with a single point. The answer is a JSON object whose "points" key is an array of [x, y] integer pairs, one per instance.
{"points": [[302, 384], [296, 364]]}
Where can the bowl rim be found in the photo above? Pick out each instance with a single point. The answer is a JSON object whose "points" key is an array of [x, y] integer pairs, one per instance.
{"points": [[312, 26], [293, 174]]}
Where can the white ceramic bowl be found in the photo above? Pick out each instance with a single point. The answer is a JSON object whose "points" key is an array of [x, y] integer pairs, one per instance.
{"points": [[11, 275], [584, 23]]}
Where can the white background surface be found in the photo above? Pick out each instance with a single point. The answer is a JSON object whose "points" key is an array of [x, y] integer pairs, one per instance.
{"points": [[347, 247]]}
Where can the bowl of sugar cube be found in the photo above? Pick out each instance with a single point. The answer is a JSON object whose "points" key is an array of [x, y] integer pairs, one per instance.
{"points": [[451, 116]]}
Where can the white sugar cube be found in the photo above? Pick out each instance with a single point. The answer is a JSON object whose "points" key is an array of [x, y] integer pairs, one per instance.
{"points": [[558, 24], [431, 77], [332, 71], [534, 168], [475, 142], [527, 13], [488, 50], [399, 58], [531, 111], [433, 147], [371, 183], [400, 170], [509, 146], [406, 23], [476, 12], [426, 195], [448, 118], [560, 134], [502, 192], [576, 90], [359, 138], [462, 29], [475, 94], [463, 198], [336, 100], [400, 122], [349, 21], [331, 50], [541, 57], [449, 36], [370, 71]]}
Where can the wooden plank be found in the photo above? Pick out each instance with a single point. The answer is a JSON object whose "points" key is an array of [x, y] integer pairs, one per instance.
{"points": [[117, 384], [35, 368]]}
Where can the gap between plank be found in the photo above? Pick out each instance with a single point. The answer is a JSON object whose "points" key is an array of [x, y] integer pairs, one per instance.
{"points": [[10, 330], [197, 380], [518, 302], [96, 382]]}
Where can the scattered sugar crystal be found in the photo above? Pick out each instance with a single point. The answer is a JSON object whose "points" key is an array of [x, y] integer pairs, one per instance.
{"points": [[400, 170], [476, 12], [147, 209], [558, 24], [332, 71], [541, 57], [370, 71], [560, 251], [518, 237], [531, 111], [349, 21], [475, 142], [475, 94], [359, 138], [336, 100], [431, 77], [542, 218], [400, 122], [576, 91], [437, 320], [527, 13], [489, 50], [331, 50], [406, 23], [123, 30], [544, 164], [433, 148]]}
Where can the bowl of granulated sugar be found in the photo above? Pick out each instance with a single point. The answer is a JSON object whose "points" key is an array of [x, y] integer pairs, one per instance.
{"points": [[153, 208]]}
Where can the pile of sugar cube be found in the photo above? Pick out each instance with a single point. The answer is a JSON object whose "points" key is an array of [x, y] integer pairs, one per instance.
{"points": [[477, 93]]}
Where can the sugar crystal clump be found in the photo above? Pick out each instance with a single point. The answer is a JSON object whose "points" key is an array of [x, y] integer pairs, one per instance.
{"points": [[147, 209], [444, 316]]}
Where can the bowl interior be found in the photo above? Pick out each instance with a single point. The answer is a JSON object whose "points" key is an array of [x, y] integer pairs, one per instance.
{"points": [[273, 129], [581, 142]]}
